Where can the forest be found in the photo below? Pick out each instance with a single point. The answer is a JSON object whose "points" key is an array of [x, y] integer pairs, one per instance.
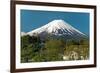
{"points": [[33, 49]]}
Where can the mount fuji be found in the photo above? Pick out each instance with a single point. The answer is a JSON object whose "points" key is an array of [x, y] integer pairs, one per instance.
{"points": [[58, 28]]}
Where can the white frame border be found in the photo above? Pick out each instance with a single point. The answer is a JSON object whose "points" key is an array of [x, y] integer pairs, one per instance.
{"points": [[57, 63]]}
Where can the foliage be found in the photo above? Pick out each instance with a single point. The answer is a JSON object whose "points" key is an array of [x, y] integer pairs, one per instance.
{"points": [[29, 47], [78, 49], [33, 49]]}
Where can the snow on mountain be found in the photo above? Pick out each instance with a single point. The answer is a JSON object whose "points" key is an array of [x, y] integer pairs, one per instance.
{"points": [[57, 27], [23, 33]]}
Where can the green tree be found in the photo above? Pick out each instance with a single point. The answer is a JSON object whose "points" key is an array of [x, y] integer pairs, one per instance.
{"points": [[27, 53], [54, 49], [30, 46]]}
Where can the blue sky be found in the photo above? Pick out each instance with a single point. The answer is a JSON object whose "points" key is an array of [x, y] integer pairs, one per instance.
{"points": [[32, 19]]}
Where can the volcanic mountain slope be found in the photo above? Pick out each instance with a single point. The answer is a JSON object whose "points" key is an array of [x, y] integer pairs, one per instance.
{"points": [[58, 28], [23, 34]]}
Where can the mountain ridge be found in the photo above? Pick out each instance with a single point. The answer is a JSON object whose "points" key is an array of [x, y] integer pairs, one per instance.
{"points": [[57, 28], [54, 25]]}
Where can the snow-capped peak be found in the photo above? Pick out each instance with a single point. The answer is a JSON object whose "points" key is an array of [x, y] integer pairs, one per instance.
{"points": [[57, 27], [58, 24]]}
